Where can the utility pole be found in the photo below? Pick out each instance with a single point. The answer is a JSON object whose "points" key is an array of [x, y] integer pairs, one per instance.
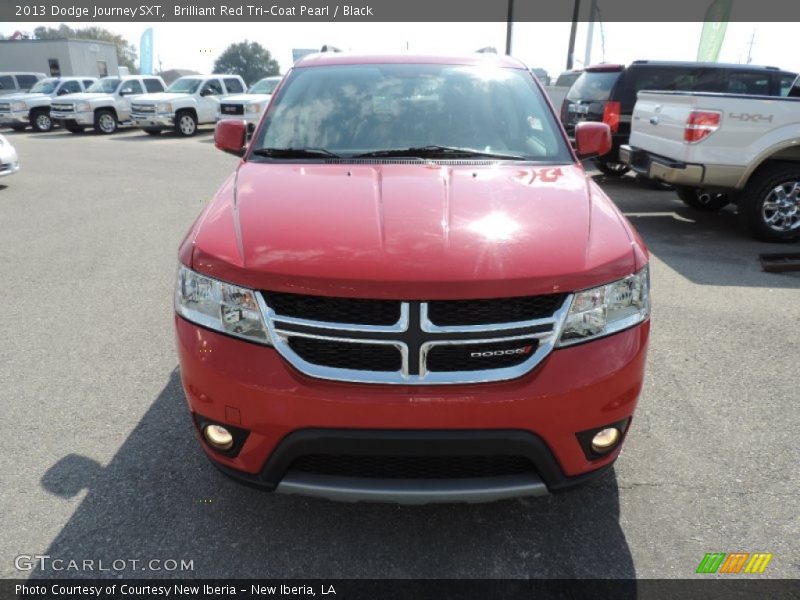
{"points": [[587, 60], [509, 26], [750, 49], [571, 50]]}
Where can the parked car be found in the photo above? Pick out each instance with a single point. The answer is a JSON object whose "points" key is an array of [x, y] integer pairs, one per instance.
{"points": [[190, 101], [607, 93], [250, 106], [106, 104], [410, 290], [541, 75], [718, 148], [13, 82], [9, 163], [33, 108], [558, 92]]}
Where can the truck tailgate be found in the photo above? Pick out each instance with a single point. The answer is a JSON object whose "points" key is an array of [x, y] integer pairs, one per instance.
{"points": [[658, 123]]}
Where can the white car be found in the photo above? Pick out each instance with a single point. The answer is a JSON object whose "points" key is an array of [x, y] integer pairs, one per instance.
{"points": [[190, 101], [33, 108], [9, 163], [106, 105], [250, 106]]}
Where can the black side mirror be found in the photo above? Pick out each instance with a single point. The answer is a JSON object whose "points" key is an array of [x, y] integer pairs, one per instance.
{"points": [[125, 91], [206, 92]]}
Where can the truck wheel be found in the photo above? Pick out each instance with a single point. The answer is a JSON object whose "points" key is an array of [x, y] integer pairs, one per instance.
{"points": [[769, 208], [152, 131], [611, 168], [40, 121], [74, 128], [704, 200], [105, 122], [185, 124]]}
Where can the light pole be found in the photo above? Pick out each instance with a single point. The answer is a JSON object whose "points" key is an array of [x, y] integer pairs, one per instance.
{"points": [[571, 50], [509, 25]]}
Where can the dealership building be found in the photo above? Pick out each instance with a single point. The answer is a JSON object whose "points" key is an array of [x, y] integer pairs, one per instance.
{"points": [[59, 57]]}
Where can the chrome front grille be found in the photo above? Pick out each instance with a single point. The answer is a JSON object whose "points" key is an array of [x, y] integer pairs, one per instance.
{"points": [[62, 107], [394, 342], [5, 107], [143, 108]]}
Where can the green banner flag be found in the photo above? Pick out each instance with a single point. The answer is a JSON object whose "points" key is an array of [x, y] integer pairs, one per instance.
{"points": [[714, 27]]}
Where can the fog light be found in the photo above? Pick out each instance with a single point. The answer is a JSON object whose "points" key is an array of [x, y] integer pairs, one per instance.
{"points": [[219, 437], [605, 440]]}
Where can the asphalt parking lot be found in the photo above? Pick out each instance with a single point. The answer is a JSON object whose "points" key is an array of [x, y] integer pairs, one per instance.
{"points": [[99, 461]]}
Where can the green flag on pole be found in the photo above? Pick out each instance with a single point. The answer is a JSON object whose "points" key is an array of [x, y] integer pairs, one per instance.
{"points": [[714, 26]]}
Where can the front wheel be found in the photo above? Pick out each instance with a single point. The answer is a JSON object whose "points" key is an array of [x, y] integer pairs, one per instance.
{"points": [[704, 200], [105, 122], [611, 168], [185, 124], [769, 208], [41, 121]]}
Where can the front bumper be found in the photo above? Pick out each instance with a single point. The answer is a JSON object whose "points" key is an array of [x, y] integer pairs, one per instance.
{"points": [[79, 118], [9, 163], [574, 389], [251, 119], [658, 167], [151, 120], [14, 118]]}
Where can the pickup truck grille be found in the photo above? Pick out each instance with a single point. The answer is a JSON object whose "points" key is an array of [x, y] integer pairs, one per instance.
{"points": [[5, 107], [62, 107], [412, 342], [143, 108], [231, 109]]}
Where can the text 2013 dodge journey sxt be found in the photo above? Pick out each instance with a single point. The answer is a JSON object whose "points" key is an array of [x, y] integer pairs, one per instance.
{"points": [[410, 290]]}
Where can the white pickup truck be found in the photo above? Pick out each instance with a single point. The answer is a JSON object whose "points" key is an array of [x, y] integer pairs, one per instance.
{"points": [[190, 101], [106, 105], [33, 108], [722, 148], [250, 106]]}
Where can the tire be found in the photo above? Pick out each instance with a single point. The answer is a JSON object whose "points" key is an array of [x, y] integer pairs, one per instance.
{"points": [[185, 124], [152, 131], [41, 121], [611, 168], [105, 121], [703, 200], [74, 128], [769, 208]]}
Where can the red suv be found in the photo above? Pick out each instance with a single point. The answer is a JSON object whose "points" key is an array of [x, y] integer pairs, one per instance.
{"points": [[410, 291]]}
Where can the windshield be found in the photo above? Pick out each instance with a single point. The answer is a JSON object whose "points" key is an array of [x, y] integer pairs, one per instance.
{"points": [[361, 109], [45, 86], [593, 85], [107, 86], [265, 86], [184, 86]]}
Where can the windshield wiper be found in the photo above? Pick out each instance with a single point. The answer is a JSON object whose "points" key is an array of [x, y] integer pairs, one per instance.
{"points": [[295, 153], [434, 151]]}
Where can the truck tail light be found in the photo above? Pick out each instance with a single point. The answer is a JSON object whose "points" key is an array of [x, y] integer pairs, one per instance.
{"points": [[611, 115], [700, 125]]}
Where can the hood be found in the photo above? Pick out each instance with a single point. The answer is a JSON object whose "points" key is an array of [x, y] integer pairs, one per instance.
{"points": [[412, 231], [23, 97], [81, 97], [161, 97], [246, 98]]}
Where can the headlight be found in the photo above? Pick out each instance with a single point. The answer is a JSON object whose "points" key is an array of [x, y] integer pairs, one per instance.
{"points": [[83, 107], [252, 108], [219, 306], [607, 309], [18, 106], [164, 108]]}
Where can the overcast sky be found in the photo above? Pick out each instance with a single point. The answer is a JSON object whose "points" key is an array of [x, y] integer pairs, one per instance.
{"points": [[196, 45]]}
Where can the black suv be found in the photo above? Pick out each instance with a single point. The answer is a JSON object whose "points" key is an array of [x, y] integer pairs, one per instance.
{"points": [[608, 93]]}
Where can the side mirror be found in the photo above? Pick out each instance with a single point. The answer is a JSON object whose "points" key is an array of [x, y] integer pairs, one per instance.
{"points": [[592, 139], [206, 92], [231, 136], [125, 91], [61, 92]]}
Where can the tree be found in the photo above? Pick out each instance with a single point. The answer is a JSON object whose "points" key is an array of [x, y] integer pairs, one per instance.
{"points": [[126, 52], [249, 59]]}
